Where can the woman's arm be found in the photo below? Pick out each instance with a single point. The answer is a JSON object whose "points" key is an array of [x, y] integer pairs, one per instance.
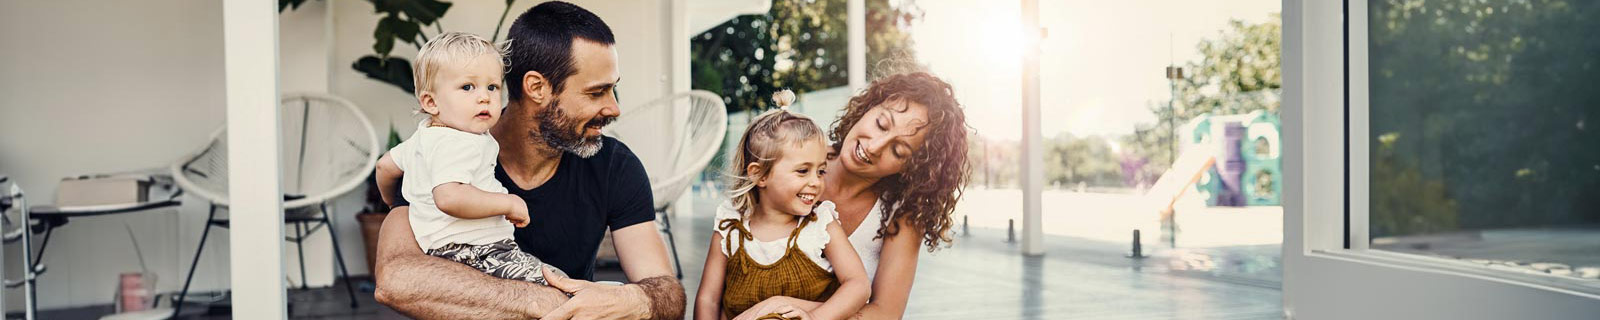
{"points": [[427, 287], [897, 267], [854, 288], [708, 302]]}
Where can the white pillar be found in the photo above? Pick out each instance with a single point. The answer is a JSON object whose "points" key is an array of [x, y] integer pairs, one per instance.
{"points": [[677, 37], [678, 41], [857, 39], [250, 49], [1032, 139]]}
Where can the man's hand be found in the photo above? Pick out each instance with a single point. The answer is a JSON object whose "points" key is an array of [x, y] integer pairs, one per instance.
{"points": [[519, 211], [597, 301]]}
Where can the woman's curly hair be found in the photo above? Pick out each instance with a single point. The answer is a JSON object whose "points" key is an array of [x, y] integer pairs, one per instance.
{"points": [[924, 193]]}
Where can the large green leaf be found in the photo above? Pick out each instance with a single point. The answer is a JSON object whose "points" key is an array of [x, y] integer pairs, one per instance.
{"points": [[425, 12], [384, 36], [394, 138], [392, 70], [391, 28], [289, 5]]}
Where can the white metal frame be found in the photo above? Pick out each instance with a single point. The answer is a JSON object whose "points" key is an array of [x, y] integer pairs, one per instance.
{"points": [[698, 161], [1323, 279], [344, 187]]}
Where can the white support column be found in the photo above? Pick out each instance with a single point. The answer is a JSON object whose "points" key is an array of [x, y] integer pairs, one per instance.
{"points": [[677, 37], [1032, 139], [678, 41], [250, 48], [857, 39]]}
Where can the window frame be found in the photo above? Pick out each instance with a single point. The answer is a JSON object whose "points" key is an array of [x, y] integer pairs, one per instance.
{"points": [[1328, 264]]}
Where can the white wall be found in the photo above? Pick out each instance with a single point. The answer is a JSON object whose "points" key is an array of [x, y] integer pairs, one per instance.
{"points": [[136, 85], [126, 86], [1323, 281]]}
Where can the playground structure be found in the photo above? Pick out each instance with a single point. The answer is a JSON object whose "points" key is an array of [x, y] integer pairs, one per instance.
{"points": [[1248, 169], [1229, 161]]}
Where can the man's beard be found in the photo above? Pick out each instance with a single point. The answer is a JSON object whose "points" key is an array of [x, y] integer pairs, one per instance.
{"points": [[566, 133]]}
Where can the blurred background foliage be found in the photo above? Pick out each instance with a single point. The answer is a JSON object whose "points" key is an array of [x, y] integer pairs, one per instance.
{"points": [[798, 45], [1483, 114]]}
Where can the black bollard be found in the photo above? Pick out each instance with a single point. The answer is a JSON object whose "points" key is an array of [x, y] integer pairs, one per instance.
{"points": [[1138, 250], [964, 230], [1011, 230]]}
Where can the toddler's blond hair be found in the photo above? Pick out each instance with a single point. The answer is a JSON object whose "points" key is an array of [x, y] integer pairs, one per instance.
{"points": [[448, 48]]}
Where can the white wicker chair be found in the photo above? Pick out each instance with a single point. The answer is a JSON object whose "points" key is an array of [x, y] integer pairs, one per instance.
{"points": [[329, 147], [692, 146]]}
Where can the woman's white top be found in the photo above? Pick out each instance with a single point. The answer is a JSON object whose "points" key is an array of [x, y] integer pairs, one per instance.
{"points": [[438, 155], [811, 240], [865, 239]]}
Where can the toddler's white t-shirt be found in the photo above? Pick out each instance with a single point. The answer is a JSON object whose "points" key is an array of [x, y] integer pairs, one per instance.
{"points": [[440, 155]]}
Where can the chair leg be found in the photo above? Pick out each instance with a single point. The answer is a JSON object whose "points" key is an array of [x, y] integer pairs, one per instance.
{"points": [[672, 245], [334, 236], [300, 244], [178, 306]]}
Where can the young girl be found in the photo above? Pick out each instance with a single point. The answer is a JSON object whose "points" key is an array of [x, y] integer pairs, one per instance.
{"points": [[772, 236]]}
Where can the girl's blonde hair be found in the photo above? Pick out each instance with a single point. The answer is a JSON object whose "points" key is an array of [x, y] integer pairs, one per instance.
{"points": [[448, 48], [762, 144]]}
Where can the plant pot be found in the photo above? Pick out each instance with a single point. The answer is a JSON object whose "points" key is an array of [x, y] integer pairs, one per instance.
{"points": [[371, 222]]}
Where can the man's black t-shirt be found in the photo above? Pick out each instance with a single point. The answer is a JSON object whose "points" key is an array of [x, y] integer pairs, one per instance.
{"points": [[569, 214]]}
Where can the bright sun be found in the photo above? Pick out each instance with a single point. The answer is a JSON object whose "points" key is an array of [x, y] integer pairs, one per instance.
{"points": [[1002, 39]]}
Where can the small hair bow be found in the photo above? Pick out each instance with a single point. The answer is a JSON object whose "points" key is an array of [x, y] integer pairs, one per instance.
{"points": [[784, 98]]}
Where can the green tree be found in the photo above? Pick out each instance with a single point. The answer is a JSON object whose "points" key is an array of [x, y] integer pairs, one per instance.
{"points": [[1404, 201], [799, 45], [994, 162], [1239, 71], [1071, 160], [1497, 100]]}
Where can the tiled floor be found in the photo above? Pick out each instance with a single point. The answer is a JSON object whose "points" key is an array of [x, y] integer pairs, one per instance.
{"points": [[982, 276]]}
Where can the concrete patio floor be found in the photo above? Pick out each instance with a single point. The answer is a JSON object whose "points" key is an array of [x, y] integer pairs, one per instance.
{"points": [[981, 276]]}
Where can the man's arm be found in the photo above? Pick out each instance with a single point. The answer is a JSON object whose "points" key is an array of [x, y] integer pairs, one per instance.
{"points": [[645, 261], [654, 293], [427, 287]]}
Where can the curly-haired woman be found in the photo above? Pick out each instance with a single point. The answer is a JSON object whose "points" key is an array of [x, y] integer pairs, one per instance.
{"points": [[898, 164]]}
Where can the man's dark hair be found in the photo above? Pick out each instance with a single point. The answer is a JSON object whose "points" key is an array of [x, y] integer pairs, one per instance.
{"points": [[541, 40]]}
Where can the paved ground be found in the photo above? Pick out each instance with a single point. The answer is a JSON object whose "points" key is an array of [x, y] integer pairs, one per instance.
{"points": [[984, 277]]}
